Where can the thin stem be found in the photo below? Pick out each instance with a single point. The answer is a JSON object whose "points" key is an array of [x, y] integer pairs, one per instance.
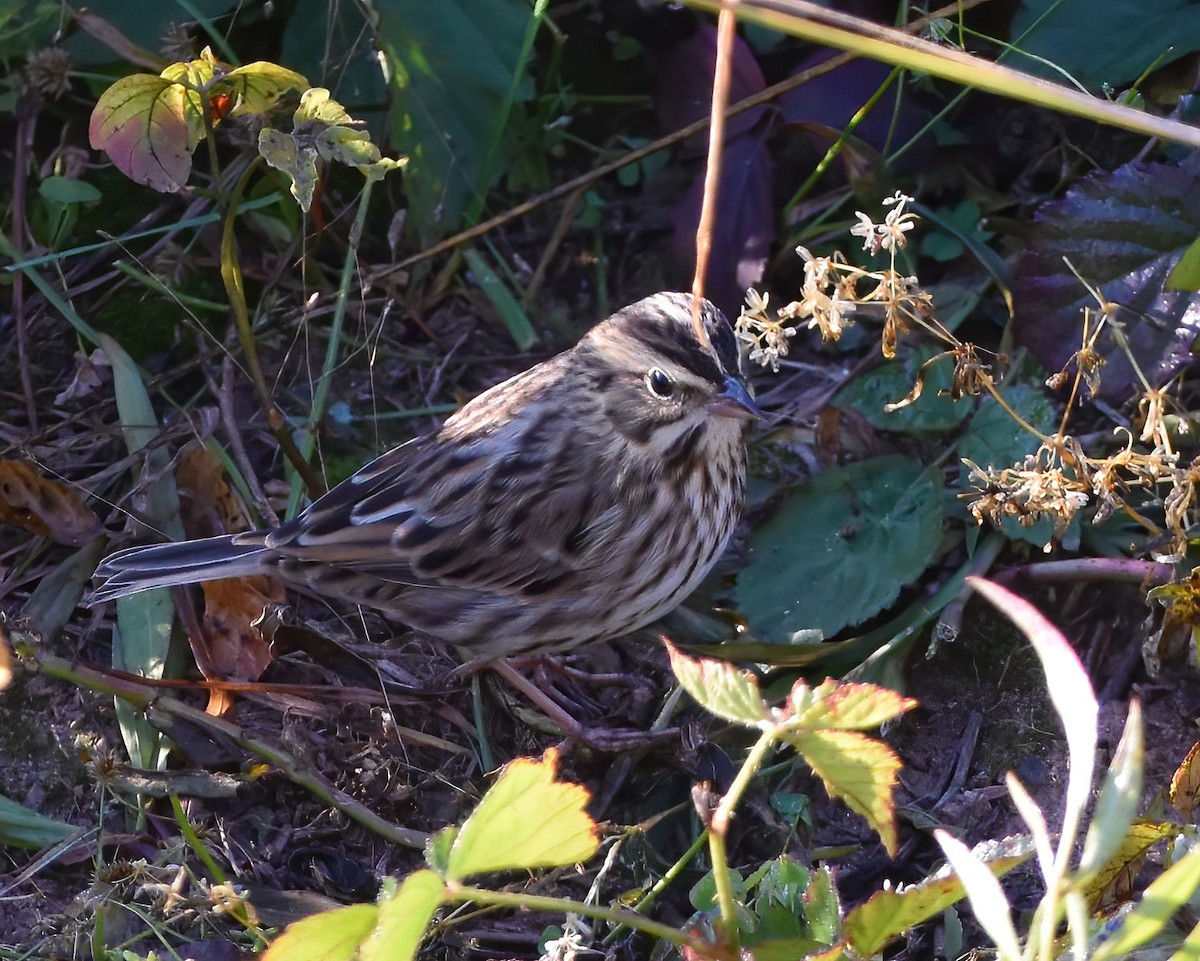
{"points": [[726, 34], [235, 289], [718, 828], [534, 902]]}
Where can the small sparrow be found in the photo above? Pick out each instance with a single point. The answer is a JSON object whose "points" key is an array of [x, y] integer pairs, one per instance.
{"points": [[572, 503]]}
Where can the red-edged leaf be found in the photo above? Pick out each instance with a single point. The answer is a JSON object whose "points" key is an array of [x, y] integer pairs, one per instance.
{"points": [[721, 688], [851, 706], [858, 769]]}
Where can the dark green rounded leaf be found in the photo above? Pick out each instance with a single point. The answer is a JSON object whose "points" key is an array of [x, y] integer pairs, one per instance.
{"points": [[839, 549]]}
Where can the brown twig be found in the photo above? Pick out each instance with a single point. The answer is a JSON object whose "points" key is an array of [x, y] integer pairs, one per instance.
{"points": [[27, 114], [726, 33], [165, 711]]}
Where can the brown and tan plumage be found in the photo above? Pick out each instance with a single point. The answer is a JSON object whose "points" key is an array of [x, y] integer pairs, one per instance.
{"points": [[574, 502]]}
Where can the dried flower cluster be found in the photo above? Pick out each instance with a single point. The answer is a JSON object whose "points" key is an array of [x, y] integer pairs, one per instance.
{"points": [[1035, 489], [47, 71], [835, 292], [1057, 481]]}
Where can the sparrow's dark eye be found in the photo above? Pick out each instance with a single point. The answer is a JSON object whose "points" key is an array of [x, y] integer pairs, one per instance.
{"points": [[658, 383]]}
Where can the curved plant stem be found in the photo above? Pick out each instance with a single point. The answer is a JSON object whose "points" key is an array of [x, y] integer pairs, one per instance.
{"points": [[231, 275], [166, 712], [533, 902], [718, 828]]}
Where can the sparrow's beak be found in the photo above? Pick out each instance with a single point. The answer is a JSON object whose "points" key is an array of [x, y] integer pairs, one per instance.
{"points": [[735, 401]]}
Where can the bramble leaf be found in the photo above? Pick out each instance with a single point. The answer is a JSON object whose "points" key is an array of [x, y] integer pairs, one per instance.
{"points": [[527, 820], [719, 687], [858, 769]]}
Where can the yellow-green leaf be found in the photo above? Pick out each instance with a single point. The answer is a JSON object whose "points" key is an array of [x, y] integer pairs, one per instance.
{"points": [[858, 769], [140, 122], [850, 706], [526, 820], [328, 936], [347, 146], [1166, 894], [1113, 883], [403, 919], [316, 105], [719, 687], [259, 85], [887, 914], [300, 163]]}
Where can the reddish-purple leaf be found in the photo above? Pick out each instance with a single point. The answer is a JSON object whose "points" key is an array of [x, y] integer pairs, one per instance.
{"points": [[745, 221], [140, 122], [1123, 231], [832, 99], [685, 84]]}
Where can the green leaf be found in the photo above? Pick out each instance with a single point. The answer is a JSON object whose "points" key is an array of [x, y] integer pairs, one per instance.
{"points": [[454, 66], [822, 906], [1120, 797], [66, 190], [527, 820], [501, 297], [888, 914], [439, 846], [703, 894], [1185, 275], [24, 828], [858, 769], [1079, 37], [994, 439], [141, 642], [861, 533], [328, 936], [719, 687], [403, 919], [891, 381]]}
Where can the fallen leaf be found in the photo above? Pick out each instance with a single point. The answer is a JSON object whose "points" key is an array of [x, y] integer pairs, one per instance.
{"points": [[208, 504], [90, 372], [236, 646], [44, 506], [233, 640]]}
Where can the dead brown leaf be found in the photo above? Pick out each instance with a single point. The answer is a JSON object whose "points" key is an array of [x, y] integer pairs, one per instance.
{"points": [[232, 641], [44, 506], [1185, 784], [209, 505]]}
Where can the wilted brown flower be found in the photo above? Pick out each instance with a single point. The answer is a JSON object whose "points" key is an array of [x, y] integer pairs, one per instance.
{"points": [[47, 71], [1028, 492]]}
